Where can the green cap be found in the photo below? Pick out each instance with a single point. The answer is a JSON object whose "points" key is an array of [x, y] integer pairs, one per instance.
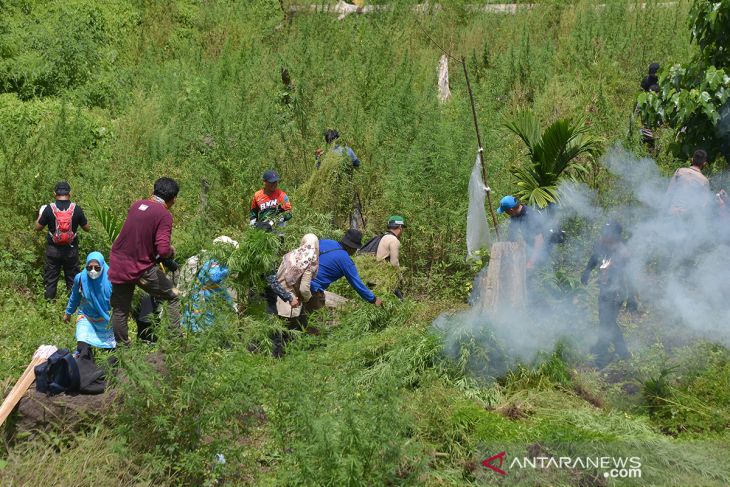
{"points": [[396, 220]]}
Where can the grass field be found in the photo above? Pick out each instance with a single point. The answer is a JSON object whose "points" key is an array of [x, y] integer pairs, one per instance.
{"points": [[112, 95]]}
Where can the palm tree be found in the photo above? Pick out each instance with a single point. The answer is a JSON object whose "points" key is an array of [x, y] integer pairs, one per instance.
{"points": [[552, 156]]}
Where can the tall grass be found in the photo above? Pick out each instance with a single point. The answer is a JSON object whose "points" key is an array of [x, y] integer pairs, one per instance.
{"points": [[113, 95]]}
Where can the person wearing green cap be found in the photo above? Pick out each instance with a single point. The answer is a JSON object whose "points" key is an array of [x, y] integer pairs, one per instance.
{"points": [[387, 246]]}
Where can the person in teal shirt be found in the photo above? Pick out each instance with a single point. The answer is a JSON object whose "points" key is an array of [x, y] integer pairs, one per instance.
{"points": [[208, 291]]}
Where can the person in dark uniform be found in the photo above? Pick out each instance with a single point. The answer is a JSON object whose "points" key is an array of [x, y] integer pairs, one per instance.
{"points": [[611, 257], [63, 219], [651, 81]]}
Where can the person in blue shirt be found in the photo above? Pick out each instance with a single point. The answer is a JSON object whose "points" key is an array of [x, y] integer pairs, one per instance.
{"points": [[335, 262], [90, 294], [528, 223], [329, 137]]}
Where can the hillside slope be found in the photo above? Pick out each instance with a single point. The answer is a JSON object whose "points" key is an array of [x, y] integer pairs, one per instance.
{"points": [[112, 95]]}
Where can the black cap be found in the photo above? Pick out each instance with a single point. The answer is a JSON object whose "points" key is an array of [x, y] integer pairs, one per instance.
{"points": [[352, 239], [330, 135], [271, 176], [62, 188]]}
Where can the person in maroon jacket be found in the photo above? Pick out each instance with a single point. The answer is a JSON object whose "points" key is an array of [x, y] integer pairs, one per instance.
{"points": [[136, 253]]}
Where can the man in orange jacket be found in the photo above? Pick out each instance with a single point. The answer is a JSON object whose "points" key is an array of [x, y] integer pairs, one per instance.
{"points": [[270, 206]]}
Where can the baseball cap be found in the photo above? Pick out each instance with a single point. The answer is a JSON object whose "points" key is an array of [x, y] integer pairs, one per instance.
{"points": [[271, 176], [507, 203], [396, 220], [62, 188]]}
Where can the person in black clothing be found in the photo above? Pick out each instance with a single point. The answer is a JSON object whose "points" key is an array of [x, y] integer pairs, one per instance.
{"points": [[651, 81], [62, 241], [611, 257], [146, 313], [649, 84]]}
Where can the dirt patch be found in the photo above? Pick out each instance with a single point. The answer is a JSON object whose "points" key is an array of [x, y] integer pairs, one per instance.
{"points": [[588, 396], [39, 412], [156, 360], [537, 450], [471, 466], [586, 479], [512, 411]]}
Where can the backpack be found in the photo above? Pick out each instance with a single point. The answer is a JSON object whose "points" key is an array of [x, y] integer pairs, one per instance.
{"points": [[64, 234], [371, 246], [59, 374]]}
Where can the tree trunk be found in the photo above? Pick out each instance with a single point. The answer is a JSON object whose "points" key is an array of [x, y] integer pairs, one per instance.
{"points": [[504, 288]]}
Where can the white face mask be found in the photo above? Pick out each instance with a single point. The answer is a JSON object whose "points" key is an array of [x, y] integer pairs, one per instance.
{"points": [[94, 274]]}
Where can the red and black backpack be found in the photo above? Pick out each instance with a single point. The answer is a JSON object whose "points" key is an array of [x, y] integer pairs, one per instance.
{"points": [[64, 234]]}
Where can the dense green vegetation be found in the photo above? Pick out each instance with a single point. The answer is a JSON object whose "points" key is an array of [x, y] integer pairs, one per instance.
{"points": [[692, 96], [111, 95]]}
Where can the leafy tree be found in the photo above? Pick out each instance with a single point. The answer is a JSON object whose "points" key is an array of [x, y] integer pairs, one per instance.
{"points": [[692, 99], [553, 155]]}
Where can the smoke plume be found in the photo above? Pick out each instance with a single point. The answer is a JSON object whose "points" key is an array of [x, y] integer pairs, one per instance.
{"points": [[679, 266]]}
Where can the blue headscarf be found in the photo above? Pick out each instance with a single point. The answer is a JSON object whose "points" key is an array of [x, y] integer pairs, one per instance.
{"points": [[97, 291]]}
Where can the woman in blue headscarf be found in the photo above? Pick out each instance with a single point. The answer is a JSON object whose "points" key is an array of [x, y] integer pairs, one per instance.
{"points": [[90, 295], [208, 292]]}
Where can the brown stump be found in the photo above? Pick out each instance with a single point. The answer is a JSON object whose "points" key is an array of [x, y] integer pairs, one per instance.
{"points": [[504, 287]]}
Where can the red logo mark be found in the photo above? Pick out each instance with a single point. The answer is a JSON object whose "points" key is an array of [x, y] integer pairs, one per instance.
{"points": [[488, 463]]}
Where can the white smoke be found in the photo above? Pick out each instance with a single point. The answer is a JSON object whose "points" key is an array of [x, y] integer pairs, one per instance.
{"points": [[680, 266]]}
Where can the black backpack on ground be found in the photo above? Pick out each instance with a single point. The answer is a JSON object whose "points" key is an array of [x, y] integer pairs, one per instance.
{"points": [[371, 246], [59, 374]]}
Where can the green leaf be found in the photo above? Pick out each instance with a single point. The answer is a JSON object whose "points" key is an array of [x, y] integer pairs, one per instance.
{"points": [[526, 126], [553, 156], [110, 222], [709, 110], [713, 78]]}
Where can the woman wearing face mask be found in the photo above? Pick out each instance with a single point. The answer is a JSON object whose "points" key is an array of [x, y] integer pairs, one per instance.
{"points": [[90, 295]]}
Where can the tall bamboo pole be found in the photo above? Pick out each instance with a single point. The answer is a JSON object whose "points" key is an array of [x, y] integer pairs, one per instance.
{"points": [[481, 149]]}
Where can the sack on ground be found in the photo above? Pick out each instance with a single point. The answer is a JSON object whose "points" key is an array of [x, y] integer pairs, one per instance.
{"points": [[91, 376]]}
